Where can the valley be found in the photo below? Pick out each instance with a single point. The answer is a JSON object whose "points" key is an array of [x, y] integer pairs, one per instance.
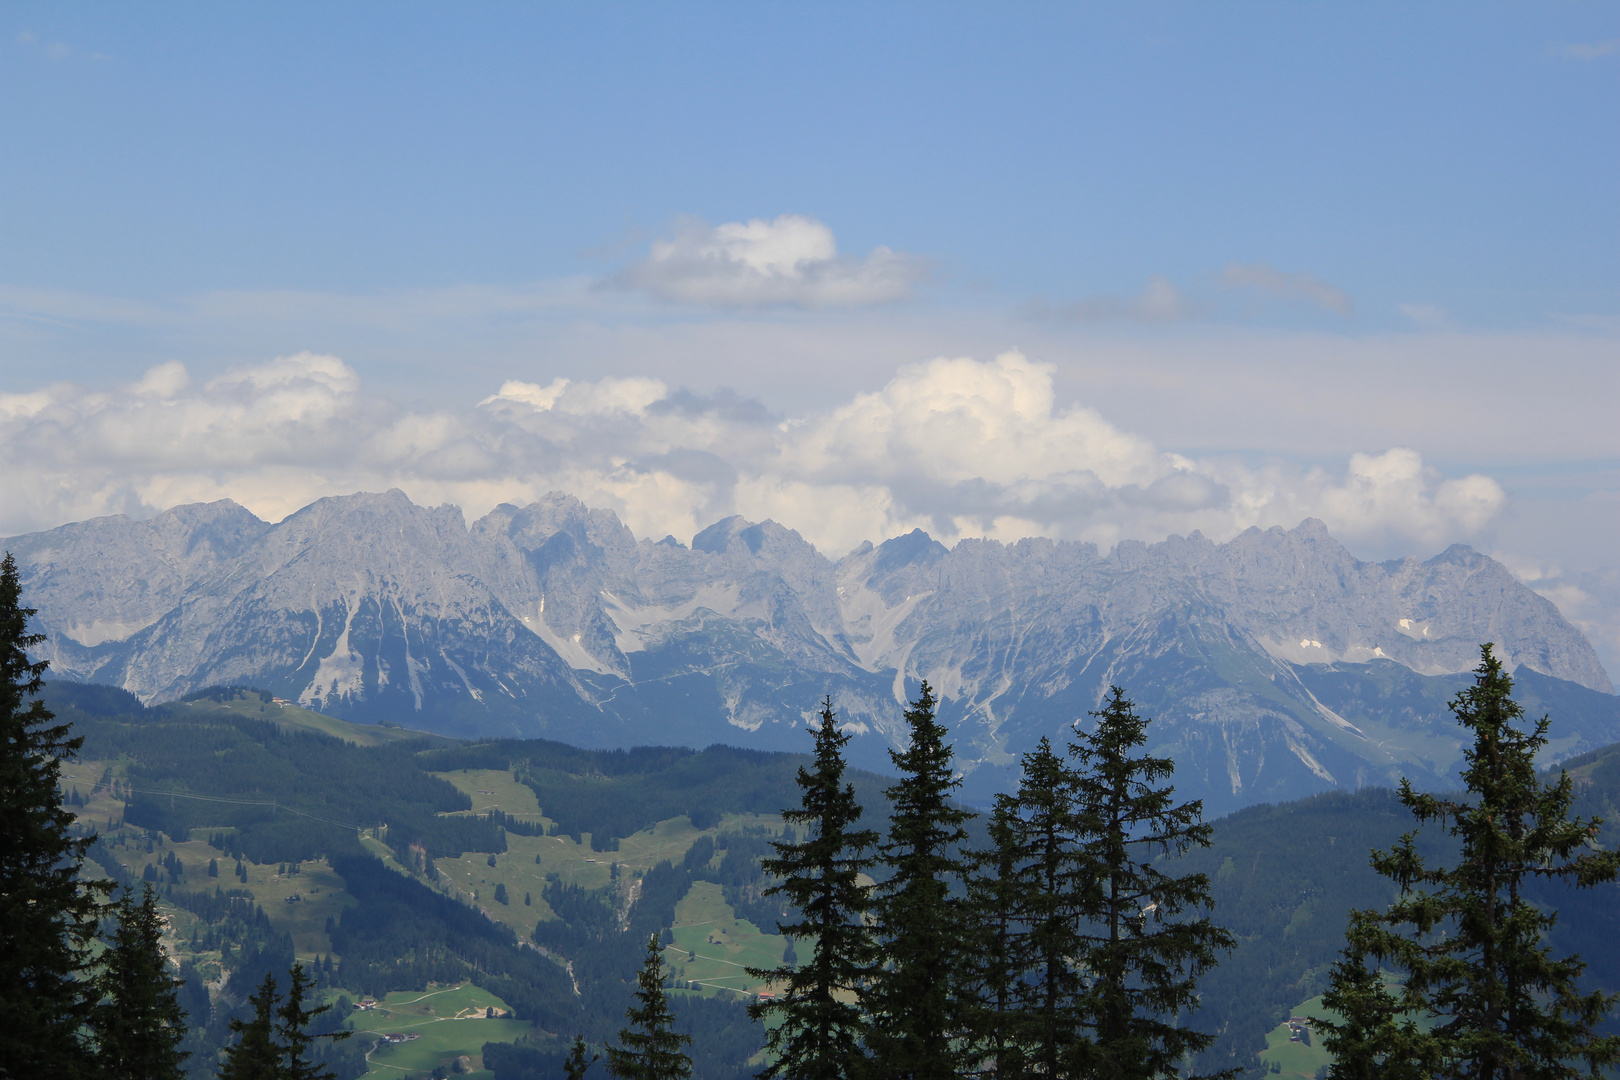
{"points": [[299, 907]]}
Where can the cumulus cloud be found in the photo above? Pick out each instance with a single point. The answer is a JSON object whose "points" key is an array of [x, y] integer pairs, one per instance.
{"points": [[959, 447], [1159, 301], [1286, 286], [564, 396], [790, 260]]}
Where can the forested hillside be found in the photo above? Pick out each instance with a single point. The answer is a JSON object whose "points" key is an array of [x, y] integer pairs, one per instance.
{"points": [[271, 838], [401, 866]]}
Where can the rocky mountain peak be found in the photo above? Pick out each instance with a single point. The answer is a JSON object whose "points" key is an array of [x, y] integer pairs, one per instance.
{"points": [[554, 619], [915, 548], [761, 540]]}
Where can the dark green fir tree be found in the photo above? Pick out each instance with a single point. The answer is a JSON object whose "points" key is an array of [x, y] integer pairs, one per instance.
{"points": [[297, 1044], [650, 1048], [48, 916], [138, 1024], [822, 1027], [254, 1055], [997, 959], [1150, 933], [578, 1064], [1478, 991], [918, 1011], [1054, 884]]}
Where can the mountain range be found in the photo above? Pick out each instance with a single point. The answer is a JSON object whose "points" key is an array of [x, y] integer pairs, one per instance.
{"points": [[1274, 665]]}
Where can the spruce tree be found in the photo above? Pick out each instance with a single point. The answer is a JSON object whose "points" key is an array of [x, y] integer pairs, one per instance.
{"points": [[255, 1055], [292, 1030], [1053, 884], [1150, 935], [578, 1064], [918, 1015], [997, 957], [650, 1048], [138, 1023], [48, 916], [822, 1027], [1481, 994]]}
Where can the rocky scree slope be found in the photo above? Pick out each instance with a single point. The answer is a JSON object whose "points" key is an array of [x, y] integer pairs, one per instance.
{"points": [[1275, 664]]}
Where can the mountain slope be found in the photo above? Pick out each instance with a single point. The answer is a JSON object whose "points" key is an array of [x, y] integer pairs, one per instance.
{"points": [[554, 620]]}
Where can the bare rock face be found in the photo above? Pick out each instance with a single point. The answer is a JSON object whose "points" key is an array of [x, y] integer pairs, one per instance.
{"points": [[1274, 664]]}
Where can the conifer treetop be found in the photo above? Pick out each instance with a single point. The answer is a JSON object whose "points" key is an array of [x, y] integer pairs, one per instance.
{"points": [[1480, 992], [650, 1047], [822, 1021], [48, 914], [138, 1024], [918, 1003], [1153, 934]]}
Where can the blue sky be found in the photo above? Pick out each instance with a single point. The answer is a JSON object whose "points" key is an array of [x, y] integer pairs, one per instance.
{"points": [[1235, 245], [1455, 155]]}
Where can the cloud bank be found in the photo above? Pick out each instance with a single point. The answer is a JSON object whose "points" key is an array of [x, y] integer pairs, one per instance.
{"points": [[958, 447], [790, 261]]}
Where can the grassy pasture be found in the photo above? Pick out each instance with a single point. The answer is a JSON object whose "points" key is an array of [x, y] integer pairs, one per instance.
{"points": [[523, 867], [1295, 1059], [720, 946], [320, 892], [496, 789], [290, 717], [448, 1022]]}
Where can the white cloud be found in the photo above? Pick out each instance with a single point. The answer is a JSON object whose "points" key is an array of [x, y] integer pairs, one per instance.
{"points": [[964, 448], [631, 396], [791, 260], [1159, 301], [164, 380], [1286, 286], [959, 447]]}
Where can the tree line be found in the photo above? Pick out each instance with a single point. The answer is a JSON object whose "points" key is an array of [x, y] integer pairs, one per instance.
{"points": [[1068, 946]]}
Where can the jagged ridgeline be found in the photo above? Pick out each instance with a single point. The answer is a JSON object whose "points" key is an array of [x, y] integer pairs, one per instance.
{"points": [[1275, 665]]}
